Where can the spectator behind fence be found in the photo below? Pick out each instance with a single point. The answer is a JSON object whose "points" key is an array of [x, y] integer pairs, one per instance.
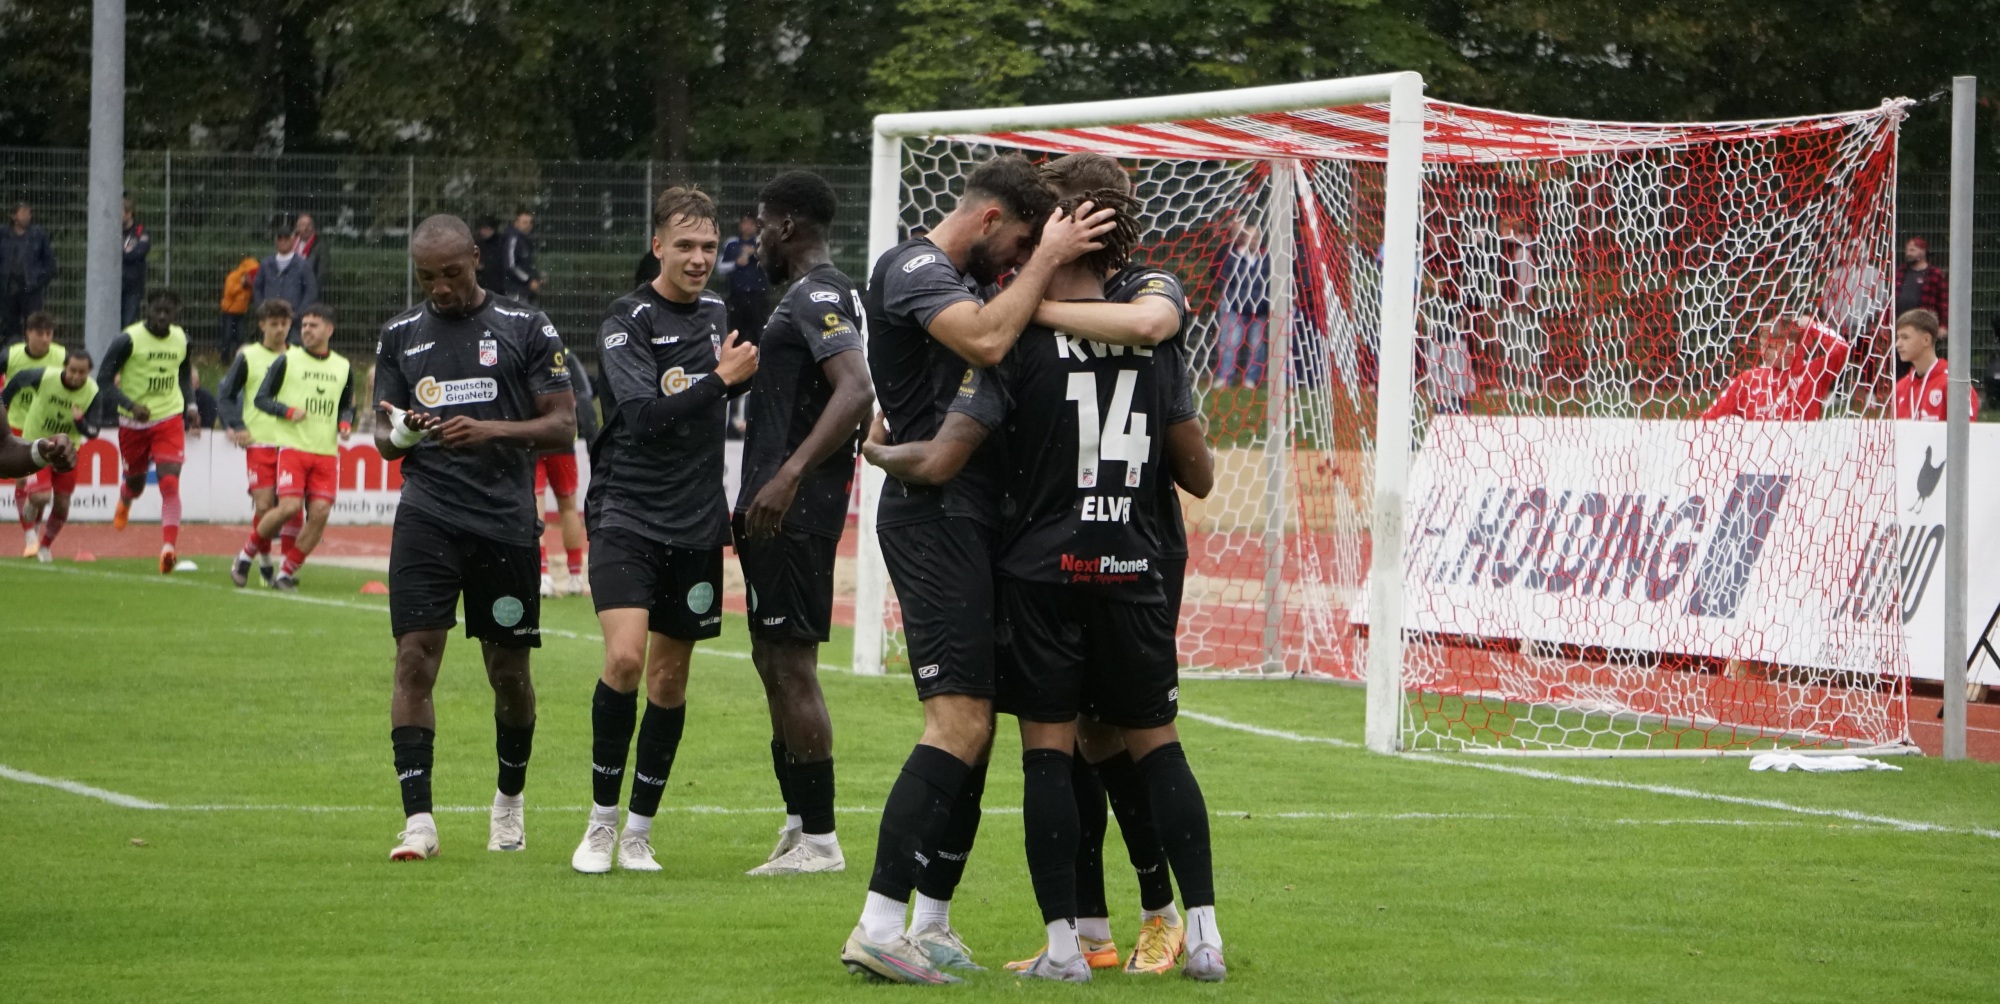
{"points": [[132, 277], [286, 276], [522, 280], [491, 267], [27, 266], [1920, 394], [314, 251], [207, 412], [1242, 272], [1921, 285], [749, 297], [1800, 359], [236, 296]]}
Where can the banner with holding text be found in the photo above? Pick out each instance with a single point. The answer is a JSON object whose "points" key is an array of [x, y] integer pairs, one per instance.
{"points": [[1767, 542]]}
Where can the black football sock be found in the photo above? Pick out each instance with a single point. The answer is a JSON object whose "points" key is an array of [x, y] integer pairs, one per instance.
{"points": [[1181, 815], [1048, 820], [659, 740], [1091, 821], [1134, 809], [939, 879], [513, 745], [914, 817], [812, 787], [781, 768], [412, 744], [612, 716]]}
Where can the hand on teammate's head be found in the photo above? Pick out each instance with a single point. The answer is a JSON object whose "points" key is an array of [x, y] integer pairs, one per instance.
{"points": [[736, 362], [1065, 238]]}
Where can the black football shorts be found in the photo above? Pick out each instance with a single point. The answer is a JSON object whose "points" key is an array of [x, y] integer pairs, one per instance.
{"points": [[943, 573], [681, 588], [1065, 651], [432, 562], [788, 583]]}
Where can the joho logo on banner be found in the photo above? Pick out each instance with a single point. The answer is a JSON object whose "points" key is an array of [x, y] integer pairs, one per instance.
{"points": [[1783, 542], [431, 393]]}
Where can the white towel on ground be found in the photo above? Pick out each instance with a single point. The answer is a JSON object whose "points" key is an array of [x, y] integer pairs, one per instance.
{"points": [[1782, 762]]}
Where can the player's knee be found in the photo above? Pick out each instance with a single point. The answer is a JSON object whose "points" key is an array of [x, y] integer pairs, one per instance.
{"points": [[668, 690], [1143, 741], [959, 724], [622, 669], [1099, 742]]}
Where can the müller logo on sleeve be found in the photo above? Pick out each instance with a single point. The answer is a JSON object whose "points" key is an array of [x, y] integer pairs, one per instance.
{"points": [[433, 394]]}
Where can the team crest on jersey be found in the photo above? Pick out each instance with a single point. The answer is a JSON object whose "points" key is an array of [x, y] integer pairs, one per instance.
{"points": [[489, 352], [674, 381], [1937, 397]]}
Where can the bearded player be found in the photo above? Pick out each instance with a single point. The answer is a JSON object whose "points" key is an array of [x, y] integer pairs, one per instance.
{"points": [[472, 385], [310, 389], [1082, 591], [59, 399], [38, 350]]}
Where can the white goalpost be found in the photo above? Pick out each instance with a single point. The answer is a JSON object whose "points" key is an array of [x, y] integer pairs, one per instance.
{"points": [[1465, 417]]}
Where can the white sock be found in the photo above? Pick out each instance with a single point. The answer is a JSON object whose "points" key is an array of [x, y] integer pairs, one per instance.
{"points": [[931, 911], [882, 918], [1094, 928], [821, 839], [1173, 916], [264, 559], [638, 826], [795, 822], [1062, 941], [501, 801], [421, 821], [604, 814], [1201, 928]]}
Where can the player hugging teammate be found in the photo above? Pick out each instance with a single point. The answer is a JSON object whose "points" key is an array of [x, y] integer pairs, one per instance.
{"points": [[1077, 560]]}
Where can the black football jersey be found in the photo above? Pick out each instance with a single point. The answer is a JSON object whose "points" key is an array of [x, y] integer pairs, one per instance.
{"points": [[666, 488], [818, 318], [1084, 506], [1126, 286], [490, 366], [917, 379]]}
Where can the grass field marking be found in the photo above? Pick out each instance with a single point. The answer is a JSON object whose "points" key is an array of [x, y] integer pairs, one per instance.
{"points": [[77, 788], [1905, 825], [323, 601]]}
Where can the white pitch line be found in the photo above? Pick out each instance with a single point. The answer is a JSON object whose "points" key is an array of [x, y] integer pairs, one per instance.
{"points": [[78, 788], [131, 802], [321, 601], [1907, 825]]}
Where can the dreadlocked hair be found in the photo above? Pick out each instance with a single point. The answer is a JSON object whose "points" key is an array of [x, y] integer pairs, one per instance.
{"points": [[1123, 239]]}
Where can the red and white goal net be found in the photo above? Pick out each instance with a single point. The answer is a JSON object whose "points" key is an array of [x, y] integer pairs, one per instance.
{"points": [[1587, 561]]}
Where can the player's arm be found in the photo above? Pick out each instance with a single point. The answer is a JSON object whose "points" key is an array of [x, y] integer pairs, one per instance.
{"points": [[981, 333], [229, 394], [1146, 321], [349, 393], [401, 430], [114, 396], [22, 381], [852, 401], [1189, 458], [20, 458], [931, 461], [587, 425], [266, 400]]}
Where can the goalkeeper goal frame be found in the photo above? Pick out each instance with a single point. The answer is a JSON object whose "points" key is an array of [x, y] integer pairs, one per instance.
{"points": [[1403, 93]]}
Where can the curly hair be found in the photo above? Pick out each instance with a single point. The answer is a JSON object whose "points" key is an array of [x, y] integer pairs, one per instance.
{"points": [[1123, 239], [1075, 173]]}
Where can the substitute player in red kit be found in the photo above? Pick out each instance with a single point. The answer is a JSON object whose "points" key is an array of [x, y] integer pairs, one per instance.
{"points": [[259, 434], [1800, 359], [147, 374], [310, 390], [1920, 394]]}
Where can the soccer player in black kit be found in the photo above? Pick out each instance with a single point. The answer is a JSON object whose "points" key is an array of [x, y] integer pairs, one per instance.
{"points": [[1086, 593], [473, 385], [657, 517], [807, 403], [928, 326]]}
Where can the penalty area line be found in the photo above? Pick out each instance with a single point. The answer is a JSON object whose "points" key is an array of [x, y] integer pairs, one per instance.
{"points": [[1871, 819], [78, 788]]}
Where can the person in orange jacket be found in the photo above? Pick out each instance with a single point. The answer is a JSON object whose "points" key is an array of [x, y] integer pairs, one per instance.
{"points": [[235, 306]]}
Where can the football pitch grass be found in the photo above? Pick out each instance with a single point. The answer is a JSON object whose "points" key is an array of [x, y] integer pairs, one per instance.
{"points": [[197, 803]]}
